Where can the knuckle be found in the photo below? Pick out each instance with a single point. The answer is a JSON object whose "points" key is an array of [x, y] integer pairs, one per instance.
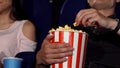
{"points": [[81, 12], [85, 17], [56, 61], [59, 60], [46, 56], [60, 49], [47, 61], [46, 52], [94, 10], [62, 55]]}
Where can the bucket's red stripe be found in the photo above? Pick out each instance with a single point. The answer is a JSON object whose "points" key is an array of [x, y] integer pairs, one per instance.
{"points": [[79, 50], [61, 37], [53, 65], [53, 40], [61, 40], [71, 38]]}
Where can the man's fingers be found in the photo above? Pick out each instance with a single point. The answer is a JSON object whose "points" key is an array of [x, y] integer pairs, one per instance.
{"points": [[60, 55], [80, 16], [49, 37], [52, 61], [58, 50], [58, 45]]}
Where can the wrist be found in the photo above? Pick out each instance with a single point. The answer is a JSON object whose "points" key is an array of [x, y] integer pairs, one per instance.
{"points": [[112, 24], [39, 63], [116, 29], [38, 58]]}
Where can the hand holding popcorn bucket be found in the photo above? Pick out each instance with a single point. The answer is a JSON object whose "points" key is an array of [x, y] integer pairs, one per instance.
{"points": [[77, 40]]}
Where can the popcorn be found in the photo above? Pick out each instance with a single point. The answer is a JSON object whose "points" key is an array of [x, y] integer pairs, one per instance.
{"points": [[76, 39], [52, 29], [65, 28]]}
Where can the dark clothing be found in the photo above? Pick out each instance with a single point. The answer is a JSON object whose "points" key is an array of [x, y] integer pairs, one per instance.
{"points": [[40, 13], [97, 65], [69, 10], [56, 6], [103, 47]]}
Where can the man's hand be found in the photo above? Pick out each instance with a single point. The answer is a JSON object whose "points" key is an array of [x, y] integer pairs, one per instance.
{"points": [[92, 17], [53, 53]]}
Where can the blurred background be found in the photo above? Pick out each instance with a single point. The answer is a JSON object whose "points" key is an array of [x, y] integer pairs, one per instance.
{"points": [[47, 14]]}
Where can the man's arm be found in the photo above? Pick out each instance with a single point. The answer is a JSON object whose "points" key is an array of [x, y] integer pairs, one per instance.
{"points": [[114, 25], [91, 17]]}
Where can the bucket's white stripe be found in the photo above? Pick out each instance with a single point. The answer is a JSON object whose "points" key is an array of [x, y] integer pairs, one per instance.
{"points": [[56, 36], [75, 46], [56, 65], [82, 50], [66, 37], [56, 40], [50, 66], [75, 43], [66, 40]]}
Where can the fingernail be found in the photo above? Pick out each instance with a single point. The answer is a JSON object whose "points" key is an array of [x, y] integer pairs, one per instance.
{"points": [[65, 58], [50, 34], [75, 23]]}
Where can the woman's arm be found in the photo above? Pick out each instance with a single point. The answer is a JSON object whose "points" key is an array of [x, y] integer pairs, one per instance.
{"points": [[29, 30]]}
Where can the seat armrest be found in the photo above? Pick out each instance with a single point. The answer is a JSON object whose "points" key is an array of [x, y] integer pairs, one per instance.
{"points": [[29, 59]]}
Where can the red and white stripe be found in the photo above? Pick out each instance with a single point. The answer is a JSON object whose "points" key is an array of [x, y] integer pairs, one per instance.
{"points": [[77, 40]]}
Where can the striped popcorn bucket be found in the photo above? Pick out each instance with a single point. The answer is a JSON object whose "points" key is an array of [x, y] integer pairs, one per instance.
{"points": [[78, 41]]}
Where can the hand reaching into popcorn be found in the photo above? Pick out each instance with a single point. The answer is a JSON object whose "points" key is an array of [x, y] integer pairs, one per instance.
{"points": [[92, 17], [95, 17]]}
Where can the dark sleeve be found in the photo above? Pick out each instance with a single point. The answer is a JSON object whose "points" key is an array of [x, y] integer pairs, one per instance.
{"points": [[117, 10], [69, 10], [39, 12]]}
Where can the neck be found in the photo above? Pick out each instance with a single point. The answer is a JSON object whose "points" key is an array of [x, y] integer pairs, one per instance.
{"points": [[107, 12], [5, 17]]}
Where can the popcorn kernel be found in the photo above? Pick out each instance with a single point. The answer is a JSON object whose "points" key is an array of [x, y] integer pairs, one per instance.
{"points": [[74, 24]]}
